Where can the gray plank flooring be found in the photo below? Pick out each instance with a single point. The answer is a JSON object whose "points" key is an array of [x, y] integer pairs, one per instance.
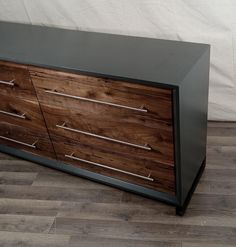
{"points": [[43, 207]]}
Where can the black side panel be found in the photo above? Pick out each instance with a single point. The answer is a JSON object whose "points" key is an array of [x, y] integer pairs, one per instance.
{"points": [[193, 100]]}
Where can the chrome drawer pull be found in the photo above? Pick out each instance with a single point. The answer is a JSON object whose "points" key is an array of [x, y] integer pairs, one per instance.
{"points": [[142, 109], [33, 145], [8, 83], [63, 126], [22, 116], [71, 156]]}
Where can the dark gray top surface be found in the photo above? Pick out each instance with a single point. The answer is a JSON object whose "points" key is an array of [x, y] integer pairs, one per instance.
{"points": [[145, 59]]}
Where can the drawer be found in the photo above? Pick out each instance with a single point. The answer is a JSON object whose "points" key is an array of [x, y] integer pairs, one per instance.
{"points": [[66, 89], [15, 81], [22, 112], [114, 163], [136, 134], [25, 139]]}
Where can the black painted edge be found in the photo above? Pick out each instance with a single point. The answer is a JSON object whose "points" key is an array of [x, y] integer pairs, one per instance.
{"points": [[160, 196], [176, 137], [180, 210], [165, 85]]}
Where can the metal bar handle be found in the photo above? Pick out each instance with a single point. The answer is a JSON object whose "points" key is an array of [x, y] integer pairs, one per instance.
{"points": [[8, 83], [71, 156], [145, 147], [33, 145], [142, 109], [22, 116]]}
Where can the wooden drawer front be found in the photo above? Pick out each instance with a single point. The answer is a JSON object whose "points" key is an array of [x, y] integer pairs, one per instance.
{"points": [[15, 81], [150, 139], [25, 139], [24, 113], [65, 89], [115, 163]]}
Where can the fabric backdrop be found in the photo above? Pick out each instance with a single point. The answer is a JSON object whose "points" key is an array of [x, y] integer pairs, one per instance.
{"points": [[206, 21]]}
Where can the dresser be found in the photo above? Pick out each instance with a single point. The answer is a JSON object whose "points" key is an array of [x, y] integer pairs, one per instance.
{"points": [[129, 112]]}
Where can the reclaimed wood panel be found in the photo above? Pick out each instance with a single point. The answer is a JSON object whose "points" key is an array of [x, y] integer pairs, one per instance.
{"points": [[33, 118], [116, 124], [40, 140], [95, 151], [156, 101], [23, 87]]}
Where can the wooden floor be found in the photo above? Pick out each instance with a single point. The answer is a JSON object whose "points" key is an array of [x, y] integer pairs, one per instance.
{"points": [[42, 207]]}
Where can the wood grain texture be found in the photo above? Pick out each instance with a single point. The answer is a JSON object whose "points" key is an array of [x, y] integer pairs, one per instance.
{"points": [[17, 178], [29, 207], [23, 87], [190, 244], [156, 100], [60, 194], [116, 124], [87, 215], [153, 128], [47, 179], [95, 151], [116, 242], [17, 165], [144, 231], [31, 110], [28, 136], [26, 239], [26, 223]]}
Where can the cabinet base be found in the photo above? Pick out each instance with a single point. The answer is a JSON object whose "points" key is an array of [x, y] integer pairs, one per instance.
{"points": [[156, 195], [180, 210], [146, 192]]}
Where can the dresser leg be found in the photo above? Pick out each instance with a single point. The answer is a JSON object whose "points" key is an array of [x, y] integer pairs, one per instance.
{"points": [[180, 210]]}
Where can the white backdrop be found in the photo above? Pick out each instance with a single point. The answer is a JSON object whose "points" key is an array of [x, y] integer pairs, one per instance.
{"points": [[207, 21]]}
